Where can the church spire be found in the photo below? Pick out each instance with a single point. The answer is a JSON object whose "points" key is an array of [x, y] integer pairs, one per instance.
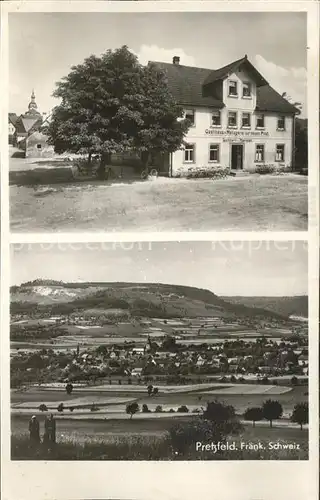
{"points": [[33, 108]]}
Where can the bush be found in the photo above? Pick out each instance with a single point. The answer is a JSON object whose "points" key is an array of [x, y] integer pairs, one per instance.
{"points": [[145, 409], [294, 380], [60, 407], [208, 172], [183, 409], [43, 407], [158, 409], [264, 169], [171, 410], [94, 408]]}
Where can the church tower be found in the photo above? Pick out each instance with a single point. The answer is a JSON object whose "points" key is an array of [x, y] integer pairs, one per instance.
{"points": [[32, 107]]}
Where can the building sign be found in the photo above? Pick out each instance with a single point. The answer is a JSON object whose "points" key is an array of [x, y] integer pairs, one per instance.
{"points": [[236, 139], [239, 134]]}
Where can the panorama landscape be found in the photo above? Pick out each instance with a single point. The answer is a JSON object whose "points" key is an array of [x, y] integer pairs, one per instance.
{"points": [[148, 370]]}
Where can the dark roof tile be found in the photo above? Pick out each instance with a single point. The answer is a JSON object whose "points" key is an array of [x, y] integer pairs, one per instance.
{"points": [[186, 85]]}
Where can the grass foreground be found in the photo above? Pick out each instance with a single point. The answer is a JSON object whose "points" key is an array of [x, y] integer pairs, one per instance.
{"points": [[270, 203], [130, 447]]}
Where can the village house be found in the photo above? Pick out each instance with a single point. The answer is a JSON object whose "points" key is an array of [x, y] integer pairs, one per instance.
{"points": [[238, 120]]}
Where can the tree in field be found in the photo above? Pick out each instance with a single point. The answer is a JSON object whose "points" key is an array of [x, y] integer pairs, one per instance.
{"points": [[155, 391], [272, 410], [60, 407], [254, 414], [69, 388], [132, 408], [300, 414], [150, 389], [145, 409], [111, 104]]}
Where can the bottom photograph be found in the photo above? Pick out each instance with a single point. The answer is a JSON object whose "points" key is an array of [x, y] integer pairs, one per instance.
{"points": [[159, 351]]}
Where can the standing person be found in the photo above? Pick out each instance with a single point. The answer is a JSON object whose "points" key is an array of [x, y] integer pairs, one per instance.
{"points": [[49, 431], [34, 431]]}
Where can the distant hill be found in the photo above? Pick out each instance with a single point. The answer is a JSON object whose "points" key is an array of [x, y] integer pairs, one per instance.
{"points": [[137, 299], [286, 306]]}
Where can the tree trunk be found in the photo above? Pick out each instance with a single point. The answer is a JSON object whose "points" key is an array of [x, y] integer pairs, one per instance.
{"points": [[104, 161], [145, 158], [301, 427], [131, 416], [270, 423], [254, 424]]}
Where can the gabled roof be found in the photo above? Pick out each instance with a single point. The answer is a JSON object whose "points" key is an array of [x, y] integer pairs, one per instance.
{"points": [[268, 99], [186, 85], [221, 73], [27, 125]]}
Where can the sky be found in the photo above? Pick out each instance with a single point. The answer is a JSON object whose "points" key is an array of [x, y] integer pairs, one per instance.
{"points": [[271, 268], [44, 46]]}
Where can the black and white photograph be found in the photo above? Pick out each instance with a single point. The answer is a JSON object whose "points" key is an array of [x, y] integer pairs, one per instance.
{"points": [[159, 249], [159, 351], [150, 127]]}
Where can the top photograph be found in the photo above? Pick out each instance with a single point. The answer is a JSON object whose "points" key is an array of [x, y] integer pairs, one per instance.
{"points": [[158, 121]]}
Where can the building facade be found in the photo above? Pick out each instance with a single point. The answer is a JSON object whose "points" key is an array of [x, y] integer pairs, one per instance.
{"points": [[238, 120]]}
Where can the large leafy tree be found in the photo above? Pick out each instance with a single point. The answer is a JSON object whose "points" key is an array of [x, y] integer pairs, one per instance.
{"points": [[300, 414], [272, 410], [112, 103]]}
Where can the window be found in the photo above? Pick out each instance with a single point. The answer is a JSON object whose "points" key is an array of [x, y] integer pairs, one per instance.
{"points": [[39, 146], [216, 118], [189, 155], [246, 120], [190, 115], [232, 119], [260, 152], [214, 153], [246, 89], [281, 123], [260, 121], [233, 88], [280, 152]]}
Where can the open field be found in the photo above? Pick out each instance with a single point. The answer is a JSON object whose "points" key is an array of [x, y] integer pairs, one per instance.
{"points": [[254, 203], [241, 396]]}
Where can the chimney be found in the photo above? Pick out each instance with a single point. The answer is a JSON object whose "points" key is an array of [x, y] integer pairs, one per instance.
{"points": [[176, 60]]}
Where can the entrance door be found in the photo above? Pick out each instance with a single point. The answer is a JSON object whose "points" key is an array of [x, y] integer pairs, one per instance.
{"points": [[237, 156]]}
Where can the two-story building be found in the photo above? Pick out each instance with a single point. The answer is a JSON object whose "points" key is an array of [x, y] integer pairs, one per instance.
{"points": [[238, 120]]}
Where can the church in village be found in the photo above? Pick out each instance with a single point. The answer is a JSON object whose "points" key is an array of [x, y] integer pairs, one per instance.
{"points": [[26, 131]]}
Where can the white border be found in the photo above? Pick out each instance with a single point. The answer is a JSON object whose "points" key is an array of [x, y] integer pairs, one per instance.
{"points": [[164, 480]]}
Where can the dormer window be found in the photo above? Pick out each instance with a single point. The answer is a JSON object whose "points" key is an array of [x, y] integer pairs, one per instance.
{"points": [[190, 116], [216, 118], [233, 88], [246, 89]]}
